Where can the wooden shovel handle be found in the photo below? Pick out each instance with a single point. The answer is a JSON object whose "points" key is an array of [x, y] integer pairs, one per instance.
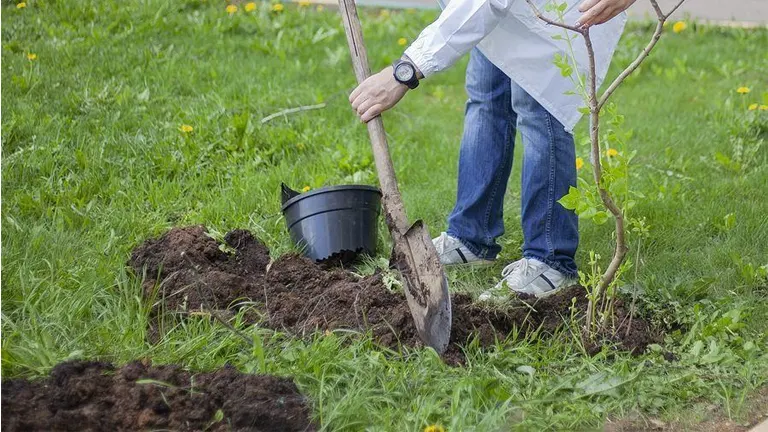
{"points": [[393, 203]]}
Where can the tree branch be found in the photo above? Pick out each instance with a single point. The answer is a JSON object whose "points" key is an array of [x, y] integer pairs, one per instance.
{"points": [[633, 66], [540, 16], [657, 8], [594, 135], [662, 18], [291, 111], [674, 9]]}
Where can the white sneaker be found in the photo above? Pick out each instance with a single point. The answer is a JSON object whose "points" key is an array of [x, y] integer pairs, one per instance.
{"points": [[527, 276], [453, 252]]}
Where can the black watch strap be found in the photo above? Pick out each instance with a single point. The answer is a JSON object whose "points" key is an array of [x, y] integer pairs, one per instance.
{"points": [[413, 82]]}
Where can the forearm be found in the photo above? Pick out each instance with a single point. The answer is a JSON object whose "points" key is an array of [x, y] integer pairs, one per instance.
{"points": [[458, 29]]}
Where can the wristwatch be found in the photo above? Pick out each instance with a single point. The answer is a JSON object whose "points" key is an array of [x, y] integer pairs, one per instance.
{"points": [[405, 73]]}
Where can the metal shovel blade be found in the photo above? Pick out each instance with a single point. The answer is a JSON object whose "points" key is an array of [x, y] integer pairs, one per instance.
{"points": [[426, 287]]}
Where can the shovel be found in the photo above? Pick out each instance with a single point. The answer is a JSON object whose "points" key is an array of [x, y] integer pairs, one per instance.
{"points": [[413, 255]]}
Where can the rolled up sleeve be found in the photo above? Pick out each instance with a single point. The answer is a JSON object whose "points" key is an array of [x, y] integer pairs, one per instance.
{"points": [[458, 29]]}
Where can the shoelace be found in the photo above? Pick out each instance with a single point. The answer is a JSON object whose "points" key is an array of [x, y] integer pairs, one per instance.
{"points": [[440, 243], [523, 264]]}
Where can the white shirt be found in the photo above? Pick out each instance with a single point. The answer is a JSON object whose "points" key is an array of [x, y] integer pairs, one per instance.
{"points": [[510, 35]]}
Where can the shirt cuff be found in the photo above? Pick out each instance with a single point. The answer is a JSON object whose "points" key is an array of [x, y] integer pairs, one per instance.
{"points": [[421, 58]]}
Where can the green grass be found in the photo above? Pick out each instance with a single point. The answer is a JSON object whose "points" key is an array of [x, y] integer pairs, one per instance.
{"points": [[94, 163]]}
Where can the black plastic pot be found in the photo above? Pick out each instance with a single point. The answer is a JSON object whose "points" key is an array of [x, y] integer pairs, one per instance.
{"points": [[336, 222]]}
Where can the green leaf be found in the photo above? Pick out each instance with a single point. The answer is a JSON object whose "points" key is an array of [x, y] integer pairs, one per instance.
{"points": [[525, 369], [572, 200], [714, 355], [729, 221], [727, 162], [697, 347], [600, 382], [600, 218], [585, 211], [143, 96]]}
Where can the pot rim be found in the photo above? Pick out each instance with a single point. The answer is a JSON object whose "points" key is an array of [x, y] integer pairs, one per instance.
{"points": [[328, 189]]}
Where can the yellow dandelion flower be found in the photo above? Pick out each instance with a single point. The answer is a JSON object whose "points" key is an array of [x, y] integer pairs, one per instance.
{"points": [[277, 7], [579, 163], [753, 107], [402, 41], [384, 13], [763, 107], [31, 56], [320, 8], [21, 5], [304, 3], [186, 128], [250, 7], [611, 152], [231, 9], [434, 428], [743, 90], [679, 27], [305, 189]]}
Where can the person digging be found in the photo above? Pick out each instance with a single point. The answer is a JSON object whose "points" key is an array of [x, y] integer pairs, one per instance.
{"points": [[513, 86]]}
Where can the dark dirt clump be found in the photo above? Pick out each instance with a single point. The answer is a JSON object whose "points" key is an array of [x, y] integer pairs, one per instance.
{"points": [[296, 295], [193, 270], [94, 396]]}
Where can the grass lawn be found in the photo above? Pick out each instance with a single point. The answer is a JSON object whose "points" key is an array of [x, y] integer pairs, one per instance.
{"points": [[94, 161]]}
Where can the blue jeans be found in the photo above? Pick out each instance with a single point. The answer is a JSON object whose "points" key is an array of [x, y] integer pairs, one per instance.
{"points": [[496, 110]]}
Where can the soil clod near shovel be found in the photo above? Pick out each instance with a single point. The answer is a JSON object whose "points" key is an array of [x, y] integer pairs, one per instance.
{"points": [[94, 396], [298, 296]]}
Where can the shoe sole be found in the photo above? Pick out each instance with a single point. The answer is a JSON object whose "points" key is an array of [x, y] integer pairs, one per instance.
{"points": [[550, 293], [543, 295], [471, 264], [516, 294]]}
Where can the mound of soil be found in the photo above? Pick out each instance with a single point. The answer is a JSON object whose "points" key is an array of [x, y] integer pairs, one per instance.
{"points": [[94, 396], [187, 270]]}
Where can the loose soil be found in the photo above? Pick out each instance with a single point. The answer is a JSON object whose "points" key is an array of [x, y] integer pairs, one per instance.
{"points": [[186, 270], [94, 396]]}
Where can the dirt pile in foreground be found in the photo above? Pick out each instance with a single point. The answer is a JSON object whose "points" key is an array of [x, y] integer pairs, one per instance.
{"points": [[94, 396], [187, 270]]}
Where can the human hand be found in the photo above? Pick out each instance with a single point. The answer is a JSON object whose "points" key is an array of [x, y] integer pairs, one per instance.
{"points": [[600, 11], [376, 94]]}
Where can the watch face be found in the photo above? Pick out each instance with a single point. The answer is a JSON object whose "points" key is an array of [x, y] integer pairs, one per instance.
{"points": [[404, 72]]}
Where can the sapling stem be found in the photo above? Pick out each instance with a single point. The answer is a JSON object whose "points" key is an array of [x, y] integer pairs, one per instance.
{"points": [[596, 103]]}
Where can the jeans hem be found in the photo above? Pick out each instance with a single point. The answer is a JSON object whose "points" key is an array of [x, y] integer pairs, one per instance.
{"points": [[557, 265]]}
